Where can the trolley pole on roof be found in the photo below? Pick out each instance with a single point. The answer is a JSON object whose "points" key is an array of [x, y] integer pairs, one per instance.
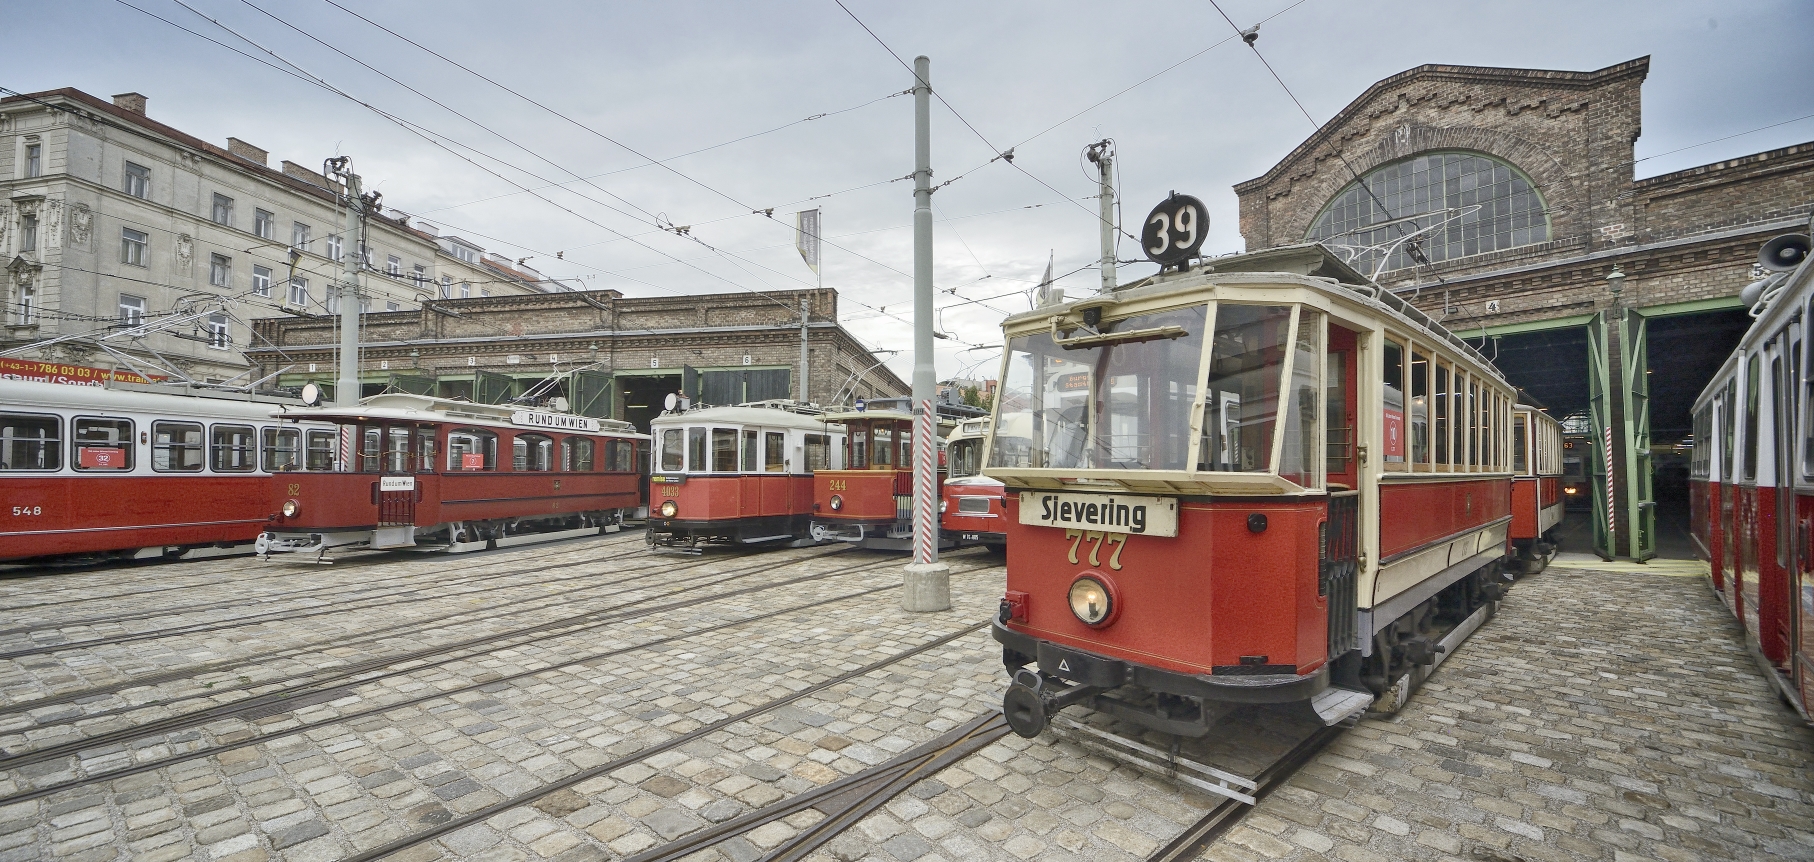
{"points": [[1103, 154], [927, 585], [346, 383]]}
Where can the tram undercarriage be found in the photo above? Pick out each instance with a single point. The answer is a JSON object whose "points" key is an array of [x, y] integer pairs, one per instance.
{"points": [[458, 537]]}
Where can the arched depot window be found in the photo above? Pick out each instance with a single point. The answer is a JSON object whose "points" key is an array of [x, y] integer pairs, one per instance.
{"points": [[1481, 204]]}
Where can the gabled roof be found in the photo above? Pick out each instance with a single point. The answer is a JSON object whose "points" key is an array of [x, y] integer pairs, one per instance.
{"points": [[1548, 78]]}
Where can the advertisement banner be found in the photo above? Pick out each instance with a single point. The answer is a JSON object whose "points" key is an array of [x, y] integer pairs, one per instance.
{"points": [[71, 375], [1395, 435]]}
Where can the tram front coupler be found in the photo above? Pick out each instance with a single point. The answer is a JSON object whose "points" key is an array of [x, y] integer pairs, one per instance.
{"points": [[854, 533], [1033, 698]]}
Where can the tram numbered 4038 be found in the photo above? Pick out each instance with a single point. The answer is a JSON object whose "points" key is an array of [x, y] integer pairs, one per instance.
{"points": [[1257, 479]]}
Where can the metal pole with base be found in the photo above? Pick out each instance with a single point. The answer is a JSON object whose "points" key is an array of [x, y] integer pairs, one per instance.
{"points": [[927, 584], [346, 383]]}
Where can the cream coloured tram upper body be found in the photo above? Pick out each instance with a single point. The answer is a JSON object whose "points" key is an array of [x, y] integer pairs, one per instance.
{"points": [[686, 439], [1073, 414]]}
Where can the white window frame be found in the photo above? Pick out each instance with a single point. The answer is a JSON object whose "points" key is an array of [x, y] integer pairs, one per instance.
{"points": [[220, 335], [393, 266], [220, 270], [261, 280], [222, 210], [34, 160], [132, 310], [26, 309], [300, 236], [299, 292], [136, 181], [134, 246], [264, 223]]}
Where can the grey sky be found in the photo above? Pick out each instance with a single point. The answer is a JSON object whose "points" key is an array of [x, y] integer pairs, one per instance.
{"points": [[666, 78]]}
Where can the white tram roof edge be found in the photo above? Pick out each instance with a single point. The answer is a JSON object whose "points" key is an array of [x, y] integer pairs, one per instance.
{"points": [[426, 408], [1790, 298], [764, 413], [31, 394]]}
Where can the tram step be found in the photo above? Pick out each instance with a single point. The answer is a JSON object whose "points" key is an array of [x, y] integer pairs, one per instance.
{"points": [[1335, 704], [532, 538]]}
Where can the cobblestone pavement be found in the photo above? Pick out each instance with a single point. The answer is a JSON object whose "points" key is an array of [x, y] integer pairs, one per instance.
{"points": [[1519, 747]]}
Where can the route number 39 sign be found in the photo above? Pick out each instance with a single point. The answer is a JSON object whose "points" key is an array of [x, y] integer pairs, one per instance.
{"points": [[1174, 229]]}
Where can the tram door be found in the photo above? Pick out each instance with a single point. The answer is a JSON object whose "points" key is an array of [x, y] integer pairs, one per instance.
{"points": [[1787, 367]]}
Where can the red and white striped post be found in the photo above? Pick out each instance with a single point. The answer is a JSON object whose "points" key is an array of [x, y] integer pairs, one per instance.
{"points": [[1612, 509], [925, 482]]}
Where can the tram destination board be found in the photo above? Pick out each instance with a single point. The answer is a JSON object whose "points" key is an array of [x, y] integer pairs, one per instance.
{"points": [[1110, 513]]}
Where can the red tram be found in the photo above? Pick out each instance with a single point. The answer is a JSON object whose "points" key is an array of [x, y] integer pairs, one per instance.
{"points": [[971, 505], [412, 471], [1216, 495], [738, 475], [869, 502], [90, 473], [1751, 477], [1536, 487]]}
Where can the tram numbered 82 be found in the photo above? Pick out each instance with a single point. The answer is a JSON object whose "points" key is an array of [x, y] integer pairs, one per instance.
{"points": [[1263, 480]]}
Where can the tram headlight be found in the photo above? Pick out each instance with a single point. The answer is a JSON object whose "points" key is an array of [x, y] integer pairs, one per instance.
{"points": [[943, 505], [837, 503], [290, 508], [669, 509], [1090, 601]]}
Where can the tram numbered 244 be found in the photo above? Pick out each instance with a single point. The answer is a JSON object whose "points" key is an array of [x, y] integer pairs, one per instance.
{"points": [[413, 471], [1257, 479]]}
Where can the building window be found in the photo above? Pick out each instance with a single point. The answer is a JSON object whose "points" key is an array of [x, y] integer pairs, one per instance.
{"points": [[299, 292], [333, 247], [393, 266], [465, 290], [138, 181], [261, 280], [28, 233], [220, 270], [447, 287], [223, 210], [26, 309], [299, 236], [421, 276], [218, 336], [132, 310], [464, 253], [1470, 204], [365, 255], [132, 246], [333, 299], [264, 224], [391, 306], [484, 291], [34, 160]]}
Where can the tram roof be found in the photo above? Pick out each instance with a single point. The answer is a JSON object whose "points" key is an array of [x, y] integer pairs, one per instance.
{"points": [[782, 414], [427, 408], [1782, 305], [1311, 265], [139, 399]]}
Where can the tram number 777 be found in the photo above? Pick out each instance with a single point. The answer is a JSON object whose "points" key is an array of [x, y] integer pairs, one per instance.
{"points": [[1099, 538]]}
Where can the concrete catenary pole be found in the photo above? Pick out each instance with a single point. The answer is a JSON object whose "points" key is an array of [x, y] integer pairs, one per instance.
{"points": [[805, 392], [346, 385], [1103, 155], [928, 582]]}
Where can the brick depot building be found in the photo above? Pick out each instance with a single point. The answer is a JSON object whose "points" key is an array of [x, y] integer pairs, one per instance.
{"points": [[1517, 188], [610, 356]]}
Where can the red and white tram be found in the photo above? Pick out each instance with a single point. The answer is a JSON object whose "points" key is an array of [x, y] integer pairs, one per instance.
{"points": [[412, 471], [869, 501], [971, 505], [1751, 485], [104, 473], [1216, 495], [738, 475], [1537, 502]]}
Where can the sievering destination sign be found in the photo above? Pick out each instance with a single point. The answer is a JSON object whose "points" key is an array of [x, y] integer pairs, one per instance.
{"points": [[1108, 513], [556, 421]]}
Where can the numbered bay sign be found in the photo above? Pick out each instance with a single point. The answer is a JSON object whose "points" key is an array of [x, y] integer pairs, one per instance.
{"points": [[1174, 229]]}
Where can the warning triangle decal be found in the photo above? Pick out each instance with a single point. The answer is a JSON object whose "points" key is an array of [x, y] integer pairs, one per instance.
{"points": [[1064, 665]]}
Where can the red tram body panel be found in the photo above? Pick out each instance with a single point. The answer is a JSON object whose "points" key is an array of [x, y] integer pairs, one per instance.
{"points": [[737, 475], [870, 502], [972, 507], [1537, 469], [1243, 484], [91, 472], [1751, 476], [412, 471]]}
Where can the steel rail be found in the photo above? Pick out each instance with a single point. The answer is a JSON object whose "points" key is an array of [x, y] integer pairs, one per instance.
{"points": [[209, 751], [1226, 813]]}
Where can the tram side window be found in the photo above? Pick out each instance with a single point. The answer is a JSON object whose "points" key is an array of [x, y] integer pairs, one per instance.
{"points": [[1753, 373], [774, 452], [750, 439], [859, 448], [1305, 452], [320, 451], [1241, 398], [370, 440], [1728, 425], [1420, 409], [1477, 428], [30, 442], [176, 447], [232, 449], [623, 456], [906, 451], [1440, 395], [425, 448], [673, 450], [1394, 420], [882, 451], [818, 452], [724, 450], [102, 444], [532, 453], [696, 450], [472, 449], [282, 450], [576, 454], [1518, 444], [396, 449]]}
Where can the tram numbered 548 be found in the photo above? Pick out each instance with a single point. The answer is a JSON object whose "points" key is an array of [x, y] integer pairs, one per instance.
{"points": [[412, 471], [1265, 480]]}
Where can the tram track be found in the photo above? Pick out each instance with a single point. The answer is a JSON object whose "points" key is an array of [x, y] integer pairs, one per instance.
{"points": [[442, 694], [1227, 813], [321, 592], [287, 615], [340, 679], [373, 636]]}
